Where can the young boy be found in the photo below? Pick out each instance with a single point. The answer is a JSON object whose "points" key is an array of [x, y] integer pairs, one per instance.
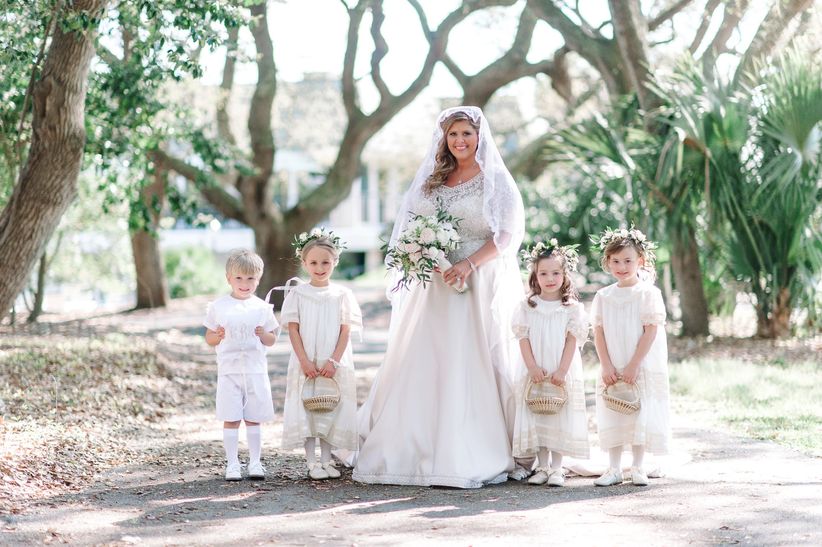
{"points": [[241, 325]]}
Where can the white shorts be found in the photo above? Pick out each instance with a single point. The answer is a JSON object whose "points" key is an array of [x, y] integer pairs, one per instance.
{"points": [[244, 397]]}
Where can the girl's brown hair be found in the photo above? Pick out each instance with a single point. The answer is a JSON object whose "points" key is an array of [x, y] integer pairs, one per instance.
{"points": [[567, 292], [445, 162]]}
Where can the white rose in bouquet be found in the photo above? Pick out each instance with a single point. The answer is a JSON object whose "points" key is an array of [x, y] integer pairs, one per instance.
{"points": [[427, 235]]}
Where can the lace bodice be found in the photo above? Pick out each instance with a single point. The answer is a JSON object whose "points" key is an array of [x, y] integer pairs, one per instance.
{"points": [[464, 202]]}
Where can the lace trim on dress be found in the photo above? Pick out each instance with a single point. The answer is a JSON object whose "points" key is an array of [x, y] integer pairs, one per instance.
{"points": [[449, 194], [520, 331]]}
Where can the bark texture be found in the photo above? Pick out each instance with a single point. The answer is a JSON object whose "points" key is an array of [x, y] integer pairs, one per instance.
{"points": [[48, 180]]}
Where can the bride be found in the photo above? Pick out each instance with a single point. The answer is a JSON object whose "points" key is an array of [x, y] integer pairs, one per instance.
{"points": [[436, 413]]}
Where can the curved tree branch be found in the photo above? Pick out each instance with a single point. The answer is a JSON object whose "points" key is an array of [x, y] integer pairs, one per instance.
{"points": [[227, 83], [667, 14], [707, 15], [380, 50], [224, 202], [600, 52], [257, 190], [768, 35]]}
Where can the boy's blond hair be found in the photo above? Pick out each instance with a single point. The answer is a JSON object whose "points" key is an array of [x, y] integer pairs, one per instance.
{"points": [[244, 262]]}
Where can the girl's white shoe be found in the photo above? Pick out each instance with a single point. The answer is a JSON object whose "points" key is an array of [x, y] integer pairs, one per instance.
{"points": [[638, 477], [541, 476], [331, 470], [609, 478], [557, 477], [316, 471]]}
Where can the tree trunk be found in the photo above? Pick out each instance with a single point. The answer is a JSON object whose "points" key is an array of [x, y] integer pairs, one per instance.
{"points": [[275, 247], [40, 291], [774, 322], [48, 181], [688, 277], [152, 289]]}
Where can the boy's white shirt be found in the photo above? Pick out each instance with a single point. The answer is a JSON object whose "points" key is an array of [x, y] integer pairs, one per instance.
{"points": [[241, 351]]}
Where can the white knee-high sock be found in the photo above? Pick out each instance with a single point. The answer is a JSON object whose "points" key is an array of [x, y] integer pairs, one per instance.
{"points": [[556, 460], [325, 451], [252, 435], [542, 457], [615, 455], [310, 450], [231, 440], [639, 454]]}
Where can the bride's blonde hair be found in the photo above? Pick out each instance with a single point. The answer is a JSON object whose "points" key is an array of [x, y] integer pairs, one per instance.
{"points": [[445, 160]]}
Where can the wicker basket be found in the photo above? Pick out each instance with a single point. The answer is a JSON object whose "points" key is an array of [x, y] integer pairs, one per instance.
{"points": [[545, 404], [621, 397], [324, 401]]}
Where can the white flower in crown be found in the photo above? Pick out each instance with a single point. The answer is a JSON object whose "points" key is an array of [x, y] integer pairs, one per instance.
{"points": [[636, 236], [543, 250], [301, 240]]}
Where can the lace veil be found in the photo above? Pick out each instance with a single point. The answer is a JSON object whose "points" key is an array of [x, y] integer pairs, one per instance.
{"points": [[502, 203]]}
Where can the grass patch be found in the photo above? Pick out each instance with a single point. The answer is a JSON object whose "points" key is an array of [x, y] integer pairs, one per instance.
{"points": [[773, 399]]}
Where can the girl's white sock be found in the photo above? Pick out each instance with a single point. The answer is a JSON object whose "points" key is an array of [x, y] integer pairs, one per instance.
{"points": [[615, 455], [542, 457], [556, 460], [325, 452], [231, 440], [639, 454], [310, 454], [252, 435]]}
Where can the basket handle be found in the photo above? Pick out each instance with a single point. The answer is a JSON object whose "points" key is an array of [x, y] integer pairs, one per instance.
{"points": [[531, 384], [314, 380], [634, 388]]}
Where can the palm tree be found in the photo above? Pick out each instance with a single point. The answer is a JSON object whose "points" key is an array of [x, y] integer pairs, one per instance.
{"points": [[760, 148], [617, 154]]}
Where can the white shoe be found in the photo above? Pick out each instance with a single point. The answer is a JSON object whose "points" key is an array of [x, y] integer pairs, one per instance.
{"points": [[638, 477], [609, 478], [541, 476], [519, 473], [331, 470], [557, 477], [232, 472], [256, 471], [316, 471]]}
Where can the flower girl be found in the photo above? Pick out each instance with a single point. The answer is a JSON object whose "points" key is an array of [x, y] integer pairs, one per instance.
{"points": [[551, 325], [629, 334], [320, 317]]}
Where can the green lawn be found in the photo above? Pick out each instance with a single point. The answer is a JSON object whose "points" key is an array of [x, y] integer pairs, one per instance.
{"points": [[772, 399]]}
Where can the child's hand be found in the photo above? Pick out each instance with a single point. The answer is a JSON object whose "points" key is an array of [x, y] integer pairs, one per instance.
{"points": [[557, 378], [609, 375], [309, 369], [259, 331], [537, 374], [328, 370], [220, 333], [629, 375]]}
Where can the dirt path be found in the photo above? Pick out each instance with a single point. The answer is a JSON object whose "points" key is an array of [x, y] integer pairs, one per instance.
{"points": [[719, 489]]}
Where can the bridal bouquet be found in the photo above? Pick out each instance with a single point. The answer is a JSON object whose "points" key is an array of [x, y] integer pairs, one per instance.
{"points": [[422, 247]]}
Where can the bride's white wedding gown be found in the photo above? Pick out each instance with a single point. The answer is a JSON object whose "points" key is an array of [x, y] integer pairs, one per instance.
{"points": [[434, 415]]}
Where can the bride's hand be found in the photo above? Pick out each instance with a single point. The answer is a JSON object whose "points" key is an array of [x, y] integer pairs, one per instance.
{"points": [[458, 273]]}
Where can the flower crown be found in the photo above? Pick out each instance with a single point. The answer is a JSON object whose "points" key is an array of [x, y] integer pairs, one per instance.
{"points": [[542, 250], [300, 241], [633, 235]]}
